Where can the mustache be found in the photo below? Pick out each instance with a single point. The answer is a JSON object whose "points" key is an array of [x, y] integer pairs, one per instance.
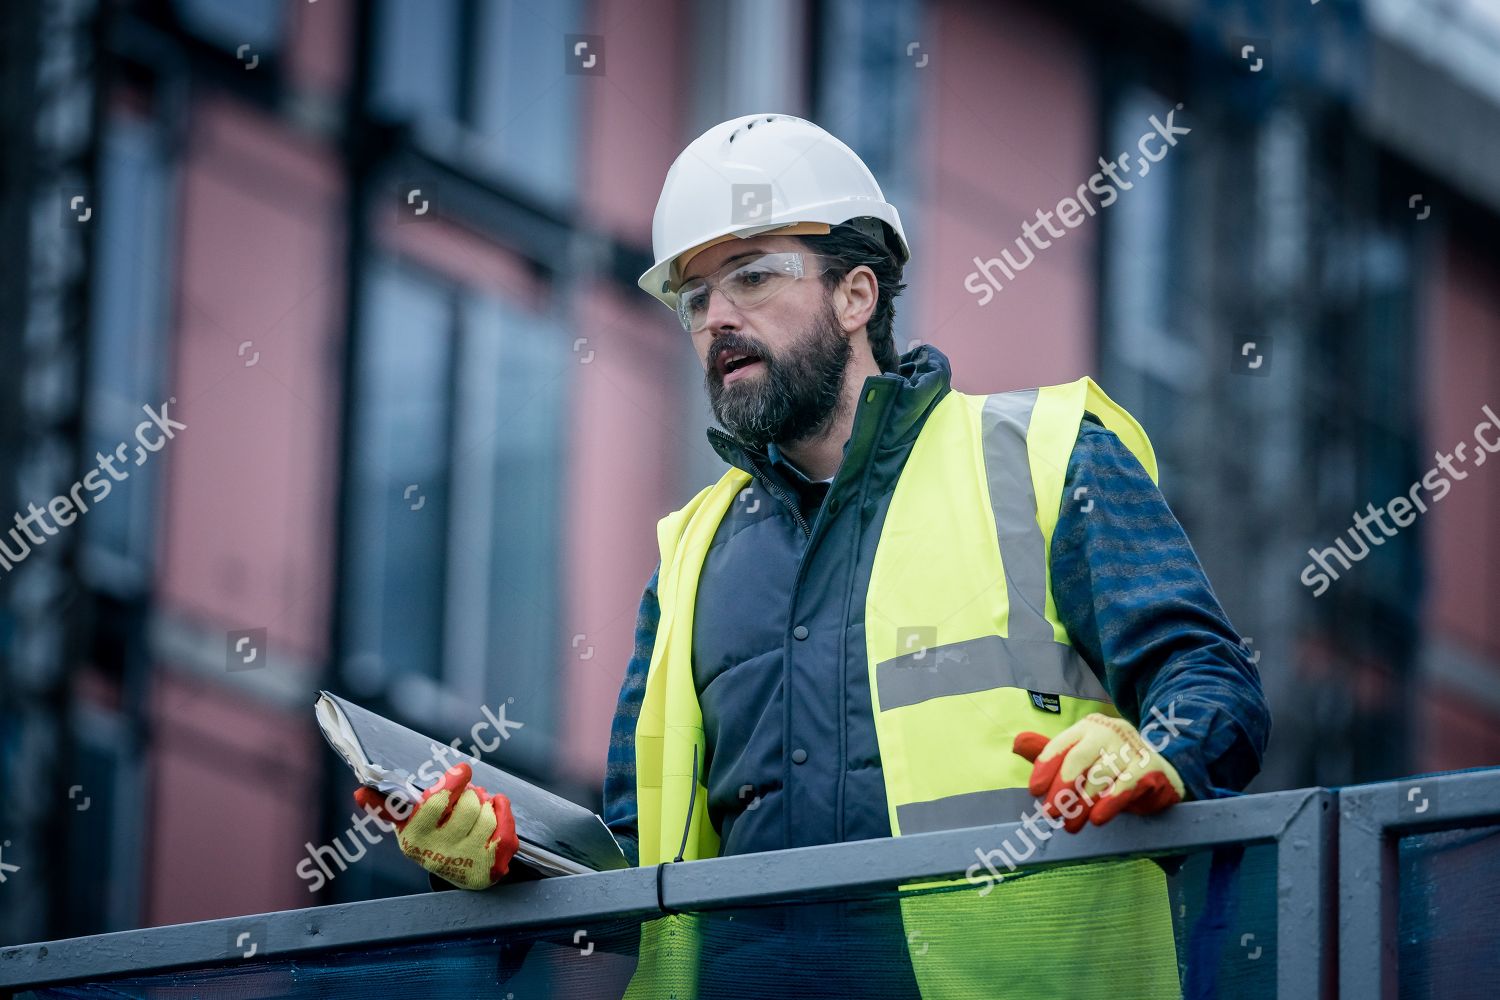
{"points": [[734, 343]]}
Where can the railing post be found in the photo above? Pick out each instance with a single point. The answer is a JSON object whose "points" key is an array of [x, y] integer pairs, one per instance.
{"points": [[1367, 891], [1305, 886]]}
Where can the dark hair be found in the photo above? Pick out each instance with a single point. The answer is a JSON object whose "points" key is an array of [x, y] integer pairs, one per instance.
{"points": [[844, 249]]}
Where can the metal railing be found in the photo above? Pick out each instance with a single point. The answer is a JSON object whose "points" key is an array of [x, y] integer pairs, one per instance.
{"points": [[1334, 853]]}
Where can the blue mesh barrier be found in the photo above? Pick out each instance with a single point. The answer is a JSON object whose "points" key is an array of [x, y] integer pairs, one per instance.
{"points": [[1448, 915]]}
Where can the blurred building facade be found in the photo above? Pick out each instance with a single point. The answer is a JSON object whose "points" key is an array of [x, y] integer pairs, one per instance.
{"points": [[380, 259]]}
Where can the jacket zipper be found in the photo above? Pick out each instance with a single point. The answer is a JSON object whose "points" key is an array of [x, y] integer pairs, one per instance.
{"points": [[778, 493], [761, 477]]}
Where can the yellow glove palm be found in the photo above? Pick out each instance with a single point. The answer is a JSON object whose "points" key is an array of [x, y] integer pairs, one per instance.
{"points": [[1097, 768], [458, 831]]}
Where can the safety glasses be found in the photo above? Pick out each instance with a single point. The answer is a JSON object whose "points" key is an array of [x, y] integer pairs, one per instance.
{"points": [[746, 283]]}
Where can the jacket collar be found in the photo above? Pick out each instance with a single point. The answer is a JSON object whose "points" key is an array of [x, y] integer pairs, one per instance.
{"points": [[891, 409], [779, 460]]}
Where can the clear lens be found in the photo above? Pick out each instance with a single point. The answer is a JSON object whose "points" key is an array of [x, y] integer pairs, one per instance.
{"points": [[745, 283], [692, 305]]}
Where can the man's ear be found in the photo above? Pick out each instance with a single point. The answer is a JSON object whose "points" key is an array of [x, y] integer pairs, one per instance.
{"points": [[854, 299]]}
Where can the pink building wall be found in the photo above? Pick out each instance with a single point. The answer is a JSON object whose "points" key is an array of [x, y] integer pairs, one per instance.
{"points": [[319, 56], [626, 438], [1008, 128], [247, 528], [634, 125], [627, 448], [1461, 532], [233, 800]]}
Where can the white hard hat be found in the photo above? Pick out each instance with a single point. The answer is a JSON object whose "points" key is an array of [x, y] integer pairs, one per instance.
{"points": [[758, 174]]}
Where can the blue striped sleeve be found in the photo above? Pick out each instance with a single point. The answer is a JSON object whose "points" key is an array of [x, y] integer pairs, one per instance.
{"points": [[1136, 603], [620, 807]]}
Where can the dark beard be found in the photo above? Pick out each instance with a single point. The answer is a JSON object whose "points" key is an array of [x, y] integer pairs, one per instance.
{"points": [[797, 396]]}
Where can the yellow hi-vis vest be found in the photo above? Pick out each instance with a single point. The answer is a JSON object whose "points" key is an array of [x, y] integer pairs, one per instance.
{"points": [[962, 633]]}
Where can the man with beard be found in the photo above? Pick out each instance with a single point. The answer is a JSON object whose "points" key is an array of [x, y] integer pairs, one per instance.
{"points": [[903, 608]]}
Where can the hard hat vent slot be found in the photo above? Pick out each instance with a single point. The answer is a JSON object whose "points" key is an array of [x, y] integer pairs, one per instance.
{"points": [[754, 122]]}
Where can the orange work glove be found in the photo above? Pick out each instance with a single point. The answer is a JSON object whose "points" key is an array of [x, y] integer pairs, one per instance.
{"points": [[457, 831], [1108, 766]]}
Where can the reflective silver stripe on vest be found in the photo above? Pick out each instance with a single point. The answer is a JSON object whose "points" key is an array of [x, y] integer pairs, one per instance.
{"points": [[1005, 419], [999, 805], [983, 664]]}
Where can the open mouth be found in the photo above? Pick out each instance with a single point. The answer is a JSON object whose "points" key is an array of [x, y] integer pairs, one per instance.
{"points": [[732, 364]]}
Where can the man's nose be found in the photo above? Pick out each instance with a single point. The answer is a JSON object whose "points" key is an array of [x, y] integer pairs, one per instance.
{"points": [[722, 315]]}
